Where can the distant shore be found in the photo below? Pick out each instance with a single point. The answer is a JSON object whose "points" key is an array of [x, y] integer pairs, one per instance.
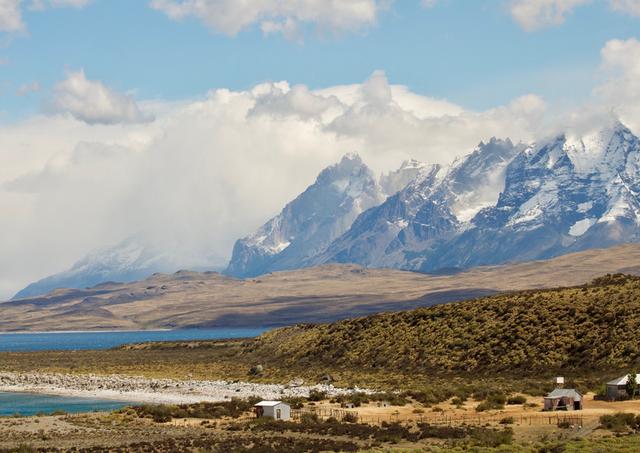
{"points": [[153, 391], [30, 332]]}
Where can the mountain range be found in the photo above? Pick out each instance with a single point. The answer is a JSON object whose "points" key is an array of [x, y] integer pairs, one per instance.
{"points": [[502, 203]]}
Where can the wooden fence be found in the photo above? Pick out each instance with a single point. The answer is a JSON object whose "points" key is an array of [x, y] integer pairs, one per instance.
{"points": [[449, 420]]}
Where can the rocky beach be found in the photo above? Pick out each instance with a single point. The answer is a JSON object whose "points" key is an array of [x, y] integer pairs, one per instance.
{"points": [[158, 391]]}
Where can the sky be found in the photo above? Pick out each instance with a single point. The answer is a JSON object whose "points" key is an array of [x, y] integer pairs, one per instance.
{"points": [[190, 122]]}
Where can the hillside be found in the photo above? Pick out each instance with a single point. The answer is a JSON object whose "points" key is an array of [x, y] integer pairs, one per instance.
{"points": [[591, 327], [322, 294]]}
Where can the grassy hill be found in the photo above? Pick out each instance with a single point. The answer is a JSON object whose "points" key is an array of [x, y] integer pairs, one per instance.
{"points": [[590, 327]]}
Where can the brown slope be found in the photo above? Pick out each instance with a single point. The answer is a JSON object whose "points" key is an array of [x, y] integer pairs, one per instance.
{"points": [[591, 327], [319, 294]]}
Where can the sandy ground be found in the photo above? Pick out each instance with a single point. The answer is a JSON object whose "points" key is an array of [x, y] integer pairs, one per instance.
{"points": [[448, 413]]}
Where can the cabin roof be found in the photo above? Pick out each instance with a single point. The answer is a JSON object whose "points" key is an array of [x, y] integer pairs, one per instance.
{"points": [[623, 380], [560, 393], [268, 403]]}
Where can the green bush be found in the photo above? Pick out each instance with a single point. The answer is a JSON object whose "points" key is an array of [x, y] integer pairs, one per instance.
{"points": [[494, 401], [620, 421], [316, 395], [507, 421], [518, 399]]}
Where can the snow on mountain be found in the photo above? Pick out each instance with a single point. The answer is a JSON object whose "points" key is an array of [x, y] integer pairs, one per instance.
{"points": [[133, 259], [310, 222], [503, 202], [506, 202], [434, 206], [568, 194], [396, 180]]}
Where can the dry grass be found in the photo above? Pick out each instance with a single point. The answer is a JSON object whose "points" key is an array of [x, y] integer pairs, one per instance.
{"points": [[318, 294]]}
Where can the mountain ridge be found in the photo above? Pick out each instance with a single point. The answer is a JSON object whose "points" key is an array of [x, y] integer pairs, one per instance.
{"points": [[320, 294]]}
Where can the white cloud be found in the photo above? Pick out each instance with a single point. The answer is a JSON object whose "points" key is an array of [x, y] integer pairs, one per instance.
{"points": [[28, 88], [11, 16], [536, 14], [620, 91], [209, 171], [41, 5], [11, 20], [627, 6], [276, 16], [94, 103]]}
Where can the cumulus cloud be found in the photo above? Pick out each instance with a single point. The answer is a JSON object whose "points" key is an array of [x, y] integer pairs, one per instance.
{"points": [[11, 20], [28, 88], [619, 93], [627, 6], [41, 5], [209, 171], [94, 103], [275, 16], [10, 16], [535, 14]]}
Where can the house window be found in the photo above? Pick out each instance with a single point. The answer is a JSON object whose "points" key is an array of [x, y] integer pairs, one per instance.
{"points": [[278, 414]]}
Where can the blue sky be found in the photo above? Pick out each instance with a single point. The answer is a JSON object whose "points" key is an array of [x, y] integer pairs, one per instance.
{"points": [[162, 119], [472, 53]]}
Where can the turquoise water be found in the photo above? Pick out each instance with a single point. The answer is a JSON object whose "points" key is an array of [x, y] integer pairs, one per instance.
{"points": [[48, 341], [32, 404]]}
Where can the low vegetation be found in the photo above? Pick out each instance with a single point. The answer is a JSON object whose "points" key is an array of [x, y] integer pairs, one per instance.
{"points": [[389, 432], [588, 327], [162, 413]]}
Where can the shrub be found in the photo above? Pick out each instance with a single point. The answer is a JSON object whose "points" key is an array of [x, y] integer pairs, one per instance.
{"points": [[309, 418], [619, 421], [507, 421], [494, 401], [518, 399], [351, 417], [484, 437], [295, 402], [316, 395]]}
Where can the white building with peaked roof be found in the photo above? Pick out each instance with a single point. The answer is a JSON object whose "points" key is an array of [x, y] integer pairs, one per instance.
{"points": [[617, 389], [273, 409]]}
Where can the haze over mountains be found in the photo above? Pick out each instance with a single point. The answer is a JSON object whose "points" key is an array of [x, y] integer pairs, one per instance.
{"points": [[502, 203], [318, 294]]}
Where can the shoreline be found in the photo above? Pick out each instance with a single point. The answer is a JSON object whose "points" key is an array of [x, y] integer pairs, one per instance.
{"points": [[154, 391]]}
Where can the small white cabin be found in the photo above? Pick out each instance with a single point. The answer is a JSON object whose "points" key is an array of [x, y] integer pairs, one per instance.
{"points": [[273, 409], [617, 389]]}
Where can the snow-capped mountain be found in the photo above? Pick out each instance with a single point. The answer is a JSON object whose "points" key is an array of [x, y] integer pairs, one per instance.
{"points": [[309, 223], [132, 259], [571, 193], [506, 203], [433, 207], [396, 180]]}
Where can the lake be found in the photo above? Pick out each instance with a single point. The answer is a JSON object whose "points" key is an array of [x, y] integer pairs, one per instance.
{"points": [[47, 341], [32, 404]]}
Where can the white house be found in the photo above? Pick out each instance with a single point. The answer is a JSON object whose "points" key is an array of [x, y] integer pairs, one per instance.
{"points": [[273, 409], [617, 388]]}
